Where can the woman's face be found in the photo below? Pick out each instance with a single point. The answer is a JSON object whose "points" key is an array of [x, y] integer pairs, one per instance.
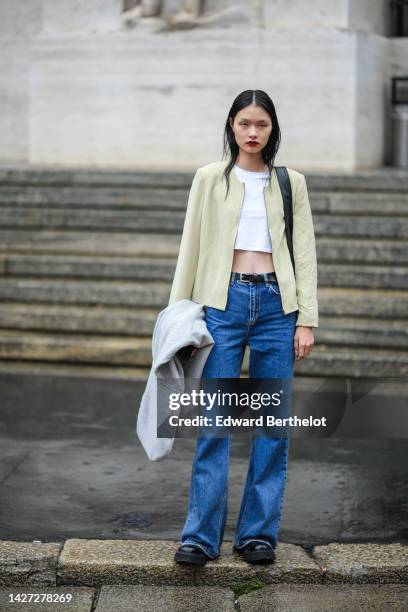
{"points": [[251, 125]]}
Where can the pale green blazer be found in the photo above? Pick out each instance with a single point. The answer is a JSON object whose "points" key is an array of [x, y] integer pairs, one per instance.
{"points": [[207, 245]]}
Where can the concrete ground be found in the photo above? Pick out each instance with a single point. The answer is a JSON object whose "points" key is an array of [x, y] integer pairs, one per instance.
{"points": [[107, 520], [72, 466]]}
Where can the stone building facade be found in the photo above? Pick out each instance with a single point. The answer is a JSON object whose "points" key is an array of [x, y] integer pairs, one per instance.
{"points": [[148, 83]]}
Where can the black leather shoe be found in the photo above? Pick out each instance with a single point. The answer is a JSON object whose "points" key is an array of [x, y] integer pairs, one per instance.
{"points": [[188, 553], [257, 552]]}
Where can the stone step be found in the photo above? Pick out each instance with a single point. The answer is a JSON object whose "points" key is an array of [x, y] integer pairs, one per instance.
{"points": [[371, 303], [364, 226], [349, 203], [382, 179], [26, 175], [360, 250], [356, 250], [367, 225], [363, 332], [337, 576], [92, 219], [146, 268], [363, 277], [92, 243], [132, 268], [78, 319], [95, 197], [76, 258], [335, 563], [75, 348], [136, 352], [134, 374], [72, 370], [140, 322], [67, 291], [354, 362], [145, 562], [175, 198]]}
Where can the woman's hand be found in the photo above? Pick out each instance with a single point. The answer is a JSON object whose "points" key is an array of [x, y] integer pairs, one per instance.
{"points": [[304, 341], [193, 352]]}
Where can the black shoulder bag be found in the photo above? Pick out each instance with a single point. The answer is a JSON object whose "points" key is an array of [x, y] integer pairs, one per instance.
{"points": [[286, 190]]}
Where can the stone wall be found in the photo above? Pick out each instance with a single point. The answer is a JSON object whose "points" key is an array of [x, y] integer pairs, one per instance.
{"points": [[91, 84]]}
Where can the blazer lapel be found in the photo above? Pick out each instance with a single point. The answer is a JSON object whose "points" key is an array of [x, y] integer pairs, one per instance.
{"points": [[235, 196]]}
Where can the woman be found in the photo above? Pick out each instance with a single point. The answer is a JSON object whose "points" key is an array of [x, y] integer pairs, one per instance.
{"points": [[234, 259]]}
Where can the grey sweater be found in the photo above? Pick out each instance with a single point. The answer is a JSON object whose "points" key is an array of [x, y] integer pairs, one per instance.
{"points": [[180, 325]]}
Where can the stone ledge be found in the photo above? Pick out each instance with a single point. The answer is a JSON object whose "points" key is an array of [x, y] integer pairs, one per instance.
{"points": [[93, 563], [28, 563], [363, 563], [150, 562]]}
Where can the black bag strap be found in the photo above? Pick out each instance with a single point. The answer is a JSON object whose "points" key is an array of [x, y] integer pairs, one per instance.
{"points": [[286, 190]]}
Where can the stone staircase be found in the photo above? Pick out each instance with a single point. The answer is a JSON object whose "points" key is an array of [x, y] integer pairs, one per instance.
{"points": [[79, 249]]}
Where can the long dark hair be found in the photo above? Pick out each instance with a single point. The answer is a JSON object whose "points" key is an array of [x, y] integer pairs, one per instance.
{"points": [[245, 98]]}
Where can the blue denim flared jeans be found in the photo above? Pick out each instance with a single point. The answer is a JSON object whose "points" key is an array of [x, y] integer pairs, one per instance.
{"points": [[254, 317]]}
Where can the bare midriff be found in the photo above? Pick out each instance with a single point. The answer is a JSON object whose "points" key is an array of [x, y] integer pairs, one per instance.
{"points": [[252, 262]]}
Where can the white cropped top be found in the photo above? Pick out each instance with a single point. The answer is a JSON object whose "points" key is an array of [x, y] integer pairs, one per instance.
{"points": [[253, 233]]}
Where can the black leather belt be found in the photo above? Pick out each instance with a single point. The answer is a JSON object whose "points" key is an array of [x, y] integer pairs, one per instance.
{"points": [[260, 277]]}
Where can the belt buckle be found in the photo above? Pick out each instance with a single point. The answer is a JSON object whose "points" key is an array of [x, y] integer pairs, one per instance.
{"points": [[248, 277]]}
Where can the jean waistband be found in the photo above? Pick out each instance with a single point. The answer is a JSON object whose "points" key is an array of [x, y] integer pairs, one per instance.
{"points": [[260, 277]]}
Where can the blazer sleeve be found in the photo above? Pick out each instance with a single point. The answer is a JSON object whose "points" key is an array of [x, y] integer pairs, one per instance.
{"points": [[304, 252], [187, 260]]}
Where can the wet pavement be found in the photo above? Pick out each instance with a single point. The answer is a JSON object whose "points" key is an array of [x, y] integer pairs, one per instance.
{"points": [[72, 467]]}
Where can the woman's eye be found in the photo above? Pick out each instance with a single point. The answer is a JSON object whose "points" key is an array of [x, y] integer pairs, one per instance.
{"points": [[262, 125]]}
